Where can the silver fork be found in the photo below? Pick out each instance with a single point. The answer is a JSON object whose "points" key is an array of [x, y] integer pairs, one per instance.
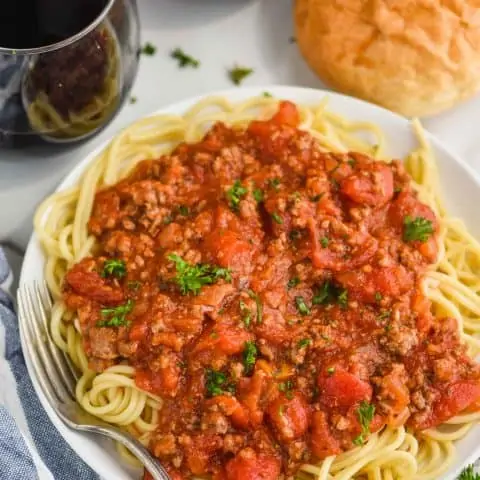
{"points": [[57, 376]]}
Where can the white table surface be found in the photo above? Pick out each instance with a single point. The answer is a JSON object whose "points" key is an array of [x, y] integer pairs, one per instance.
{"points": [[220, 33]]}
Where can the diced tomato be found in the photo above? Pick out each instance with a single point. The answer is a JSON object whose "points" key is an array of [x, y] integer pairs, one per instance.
{"points": [[388, 281], [87, 282], [457, 397], [250, 465], [163, 383], [342, 389], [289, 417], [322, 442], [223, 337], [232, 408], [287, 114], [138, 331], [374, 189], [199, 452]]}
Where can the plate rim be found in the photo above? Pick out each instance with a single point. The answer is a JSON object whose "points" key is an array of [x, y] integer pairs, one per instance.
{"points": [[234, 95]]}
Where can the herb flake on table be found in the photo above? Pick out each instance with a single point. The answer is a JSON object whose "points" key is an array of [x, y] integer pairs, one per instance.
{"points": [[238, 74], [183, 59], [148, 49], [468, 473]]}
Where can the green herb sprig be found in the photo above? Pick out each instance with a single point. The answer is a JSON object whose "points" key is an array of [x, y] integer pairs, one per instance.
{"points": [[116, 316]]}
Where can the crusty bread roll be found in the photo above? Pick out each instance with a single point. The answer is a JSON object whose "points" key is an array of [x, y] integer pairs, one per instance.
{"points": [[415, 57]]}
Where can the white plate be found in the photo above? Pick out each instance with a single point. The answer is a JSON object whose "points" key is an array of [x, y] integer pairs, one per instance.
{"points": [[461, 188]]}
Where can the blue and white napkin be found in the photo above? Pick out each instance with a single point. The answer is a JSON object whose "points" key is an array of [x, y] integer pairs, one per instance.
{"points": [[30, 446]]}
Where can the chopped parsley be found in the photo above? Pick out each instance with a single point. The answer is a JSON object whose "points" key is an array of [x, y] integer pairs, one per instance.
{"points": [[267, 95], [246, 313], [365, 413], [418, 229], [183, 210], [217, 383], [167, 220], [324, 242], [183, 59], [468, 473], [148, 49], [378, 297], [277, 218], [317, 198], [274, 183], [304, 342], [286, 388], [384, 315], [293, 282], [294, 235], [191, 278], [249, 356], [335, 184], [234, 195], [351, 162], [238, 74], [116, 316], [342, 298], [133, 99], [330, 371], [324, 294], [397, 189], [258, 302], [258, 195], [301, 306], [114, 268], [134, 285]]}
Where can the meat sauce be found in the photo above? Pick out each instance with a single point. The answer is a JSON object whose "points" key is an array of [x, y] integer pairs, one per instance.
{"points": [[270, 293]]}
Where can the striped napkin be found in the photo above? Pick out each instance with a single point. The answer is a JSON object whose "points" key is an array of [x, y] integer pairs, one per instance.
{"points": [[30, 446]]}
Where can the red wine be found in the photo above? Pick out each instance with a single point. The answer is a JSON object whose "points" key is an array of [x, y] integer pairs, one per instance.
{"points": [[37, 23]]}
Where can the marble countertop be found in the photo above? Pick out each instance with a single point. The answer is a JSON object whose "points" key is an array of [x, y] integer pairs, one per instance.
{"points": [[220, 33]]}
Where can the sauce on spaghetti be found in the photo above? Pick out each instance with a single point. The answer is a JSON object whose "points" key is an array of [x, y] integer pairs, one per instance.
{"points": [[271, 294]]}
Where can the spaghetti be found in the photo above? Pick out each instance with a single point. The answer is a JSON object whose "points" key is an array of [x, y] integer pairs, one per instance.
{"points": [[452, 284]]}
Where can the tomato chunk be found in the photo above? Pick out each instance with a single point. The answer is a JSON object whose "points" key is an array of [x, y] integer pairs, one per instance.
{"points": [[322, 442], [342, 389], [289, 417], [287, 114], [232, 408], [375, 188], [250, 465]]}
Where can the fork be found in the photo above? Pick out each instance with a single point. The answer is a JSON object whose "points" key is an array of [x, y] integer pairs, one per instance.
{"points": [[57, 376]]}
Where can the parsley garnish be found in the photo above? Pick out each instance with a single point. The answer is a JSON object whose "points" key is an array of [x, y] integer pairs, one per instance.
{"points": [[342, 298], [274, 183], [148, 49], [249, 356], [330, 371], [468, 473], [301, 306], [258, 302], [238, 74], [133, 99], [351, 162], [183, 59], [324, 242], [378, 297], [293, 282], [267, 95], [324, 294], [216, 383], [277, 218], [384, 315], [234, 195], [114, 268], [416, 229], [304, 342], [286, 387], [397, 189], [167, 220], [183, 210], [191, 278], [116, 316], [246, 313], [258, 195], [335, 184], [134, 285], [294, 235], [365, 413], [316, 198]]}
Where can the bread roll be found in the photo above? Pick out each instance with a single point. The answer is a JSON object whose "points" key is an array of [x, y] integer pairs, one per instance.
{"points": [[415, 57]]}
